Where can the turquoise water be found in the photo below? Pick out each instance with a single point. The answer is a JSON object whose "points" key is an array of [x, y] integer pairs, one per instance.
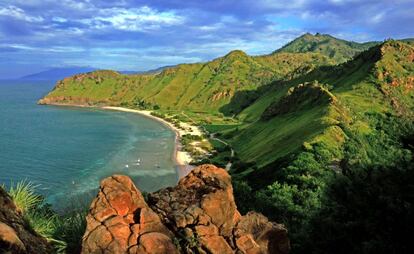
{"points": [[66, 151]]}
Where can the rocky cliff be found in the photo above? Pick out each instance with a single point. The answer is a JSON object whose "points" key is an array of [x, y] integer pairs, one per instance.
{"points": [[15, 235], [198, 215]]}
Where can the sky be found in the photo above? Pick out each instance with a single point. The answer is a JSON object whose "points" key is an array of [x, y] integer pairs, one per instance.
{"points": [[137, 35]]}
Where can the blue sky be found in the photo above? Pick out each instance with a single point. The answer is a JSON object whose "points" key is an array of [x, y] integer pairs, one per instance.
{"points": [[139, 35]]}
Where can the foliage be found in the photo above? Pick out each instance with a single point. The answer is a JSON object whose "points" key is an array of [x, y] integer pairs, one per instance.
{"points": [[24, 196], [64, 232], [367, 210], [71, 228]]}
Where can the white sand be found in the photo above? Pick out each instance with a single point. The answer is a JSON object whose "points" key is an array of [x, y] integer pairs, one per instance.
{"points": [[182, 158]]}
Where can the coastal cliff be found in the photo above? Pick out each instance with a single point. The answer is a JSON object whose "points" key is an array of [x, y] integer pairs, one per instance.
{"points": [[198, 215]]}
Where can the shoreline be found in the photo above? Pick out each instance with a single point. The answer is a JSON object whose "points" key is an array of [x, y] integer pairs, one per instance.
{"points": [[181, 158]]}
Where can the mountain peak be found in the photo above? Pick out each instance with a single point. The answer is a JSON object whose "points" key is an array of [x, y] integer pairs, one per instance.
{"points": [[236, 53], [336, 49], [310, 36]]}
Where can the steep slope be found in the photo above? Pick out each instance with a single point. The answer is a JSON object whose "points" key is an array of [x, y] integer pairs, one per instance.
{"points": [[299, 135], [337, 49], [294, 112], [197, 87]]}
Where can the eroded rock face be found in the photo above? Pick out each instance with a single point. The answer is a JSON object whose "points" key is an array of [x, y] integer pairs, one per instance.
{"points": [[120, 221], [15, 236], [199, 215]]}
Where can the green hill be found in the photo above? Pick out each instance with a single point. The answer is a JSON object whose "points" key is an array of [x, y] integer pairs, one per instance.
{"points": [[204, 87], [299, 133], [293, 112], [337, 49]]}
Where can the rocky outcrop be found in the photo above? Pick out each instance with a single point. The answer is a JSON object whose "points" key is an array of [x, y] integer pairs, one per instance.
{"points": [[15, 236], [199, 215]]}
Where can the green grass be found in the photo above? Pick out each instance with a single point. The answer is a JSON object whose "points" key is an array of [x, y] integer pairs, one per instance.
{"points": [[70, 230], [213, 128], [265, 141], [63, 232], [24, 196]]}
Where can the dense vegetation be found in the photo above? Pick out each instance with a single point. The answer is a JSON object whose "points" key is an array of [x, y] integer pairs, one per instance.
{"points": [[326, 149]]}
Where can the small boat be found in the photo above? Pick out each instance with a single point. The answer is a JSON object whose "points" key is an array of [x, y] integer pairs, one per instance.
{"points": [[139, 160], [127, 166]]}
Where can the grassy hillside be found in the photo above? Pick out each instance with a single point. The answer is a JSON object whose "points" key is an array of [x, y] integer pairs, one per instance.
{"points": [[205, 87], [337, 49], [303, 131], [293, 112]]}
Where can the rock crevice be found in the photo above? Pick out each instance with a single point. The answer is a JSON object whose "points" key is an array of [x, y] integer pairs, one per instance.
{"points": [[198, 215]]}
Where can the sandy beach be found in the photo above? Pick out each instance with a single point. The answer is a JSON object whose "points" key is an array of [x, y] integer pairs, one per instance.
{"points": [[182, 158]]}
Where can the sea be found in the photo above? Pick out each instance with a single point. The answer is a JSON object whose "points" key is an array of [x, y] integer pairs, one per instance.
{"points": [[66, 151]]}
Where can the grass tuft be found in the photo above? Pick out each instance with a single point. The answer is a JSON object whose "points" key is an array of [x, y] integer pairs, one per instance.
{"points": [[63, 232], [24, 196]]}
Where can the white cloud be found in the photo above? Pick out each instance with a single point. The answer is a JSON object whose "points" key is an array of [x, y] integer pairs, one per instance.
{"points": [[134, 19], [17, 13], [55, 49], [212, 27], [284, 4], [59, 19], [377, 18]]}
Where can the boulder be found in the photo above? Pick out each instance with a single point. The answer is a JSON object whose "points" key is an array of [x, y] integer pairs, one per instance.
{"points": [[120, 221], [199, 215]]}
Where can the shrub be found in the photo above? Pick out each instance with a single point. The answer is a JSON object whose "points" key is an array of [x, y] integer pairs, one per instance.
{"points": [[70, 231]]}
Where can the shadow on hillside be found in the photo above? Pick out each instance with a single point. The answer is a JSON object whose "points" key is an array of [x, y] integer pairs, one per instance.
{"points": [[356, 68], [243, 99]]}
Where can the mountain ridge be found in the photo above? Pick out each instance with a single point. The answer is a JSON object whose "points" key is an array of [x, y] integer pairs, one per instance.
{"points": [[338, 49]]}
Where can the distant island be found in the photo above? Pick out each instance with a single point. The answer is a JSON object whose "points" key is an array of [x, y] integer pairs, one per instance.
{"points": [[57, 73]]}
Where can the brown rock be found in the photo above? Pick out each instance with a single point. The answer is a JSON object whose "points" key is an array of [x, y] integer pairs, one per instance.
{"points": [[198, 215], [119, 217], [271, 237], [157, 243], [216, 244], [9, 237]]}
